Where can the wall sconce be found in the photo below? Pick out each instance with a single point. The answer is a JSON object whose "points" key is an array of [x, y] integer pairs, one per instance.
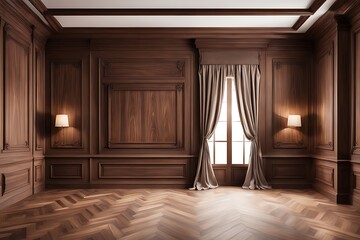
{"points": [[294, 121], [62, 121]]}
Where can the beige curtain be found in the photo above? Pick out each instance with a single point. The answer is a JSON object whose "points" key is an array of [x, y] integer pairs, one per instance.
{"points": [[247, 85], [211, 84]]}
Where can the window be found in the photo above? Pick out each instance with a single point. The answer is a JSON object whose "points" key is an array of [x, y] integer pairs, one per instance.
{"points": [[228, 145]]}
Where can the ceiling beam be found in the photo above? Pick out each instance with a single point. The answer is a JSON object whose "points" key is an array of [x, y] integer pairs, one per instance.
{"points": [[174, 12], [40, 6], [313, 8]]}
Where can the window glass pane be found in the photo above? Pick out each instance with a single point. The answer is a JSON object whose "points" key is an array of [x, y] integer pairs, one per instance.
{"points": [[237, 131], [220, 152], [211, 150], [237, 153], [247, 151], [221, 131], [223, 113], [234, 110]]}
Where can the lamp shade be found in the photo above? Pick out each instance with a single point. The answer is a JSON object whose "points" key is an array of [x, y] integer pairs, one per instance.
{"points": [[294, 121], [61, 120]]}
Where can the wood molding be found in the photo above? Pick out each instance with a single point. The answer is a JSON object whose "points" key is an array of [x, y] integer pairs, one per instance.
{"points": [[173, 12], [40, 6], [180, 33], [300, 22]]}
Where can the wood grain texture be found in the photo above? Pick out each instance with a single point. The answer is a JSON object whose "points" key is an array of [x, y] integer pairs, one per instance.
{"points": [[69, 171], [39, 82], [114, 70], [224, 213], [355, 197], [356, 59], [325, 99], [286, 172], [21, 32], [16, 182], [39, 175], [67, 92], [290, 82], [141, 116], [325, 178], [66, 98], [136, 171], [16, 80]]}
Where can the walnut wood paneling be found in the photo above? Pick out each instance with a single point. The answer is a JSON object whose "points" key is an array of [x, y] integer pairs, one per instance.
{"points": [[356, 184], [16, 181], [39, 81], [120, 171], [16, 80], [39, 175], [325, 99], [67, 92], [66, 171], [356, 64], [22, 34], [142, 68], [220, 174], [325, 178], [232, 175], [135, 171], [66, 98], [290, 81], [238, 175], [145, 116], [325, 175], [289, 172]]}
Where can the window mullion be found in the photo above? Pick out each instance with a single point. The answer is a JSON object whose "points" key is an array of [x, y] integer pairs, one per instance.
{"points": [[229, 121]]}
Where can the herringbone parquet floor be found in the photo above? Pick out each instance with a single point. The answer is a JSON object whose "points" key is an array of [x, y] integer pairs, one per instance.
{"points": [[223, 213]]}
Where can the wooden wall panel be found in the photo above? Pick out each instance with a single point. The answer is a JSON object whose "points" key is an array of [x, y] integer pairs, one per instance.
{"points": [[66, 98], [39, 175], [136, 171], [356, 184], [221, 175], [67, 92], [325, 179], [16, 81], [16, 181], [286, 172], [39, 81], [325, 99], [143, 68], [145, 116], [21, 32], [290, 96], [230, 175], [66, 171], [356, 64]]}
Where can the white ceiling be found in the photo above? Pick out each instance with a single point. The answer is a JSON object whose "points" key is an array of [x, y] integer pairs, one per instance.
{"points": [[178, 4], [168, 21], [177, 21]]}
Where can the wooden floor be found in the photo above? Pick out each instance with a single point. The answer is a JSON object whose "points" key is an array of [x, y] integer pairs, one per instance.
{"points": [[223, 213]]}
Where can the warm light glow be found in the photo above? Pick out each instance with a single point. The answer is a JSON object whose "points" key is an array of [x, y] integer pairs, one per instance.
{"points": [[294, 121], [61, 120]]}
